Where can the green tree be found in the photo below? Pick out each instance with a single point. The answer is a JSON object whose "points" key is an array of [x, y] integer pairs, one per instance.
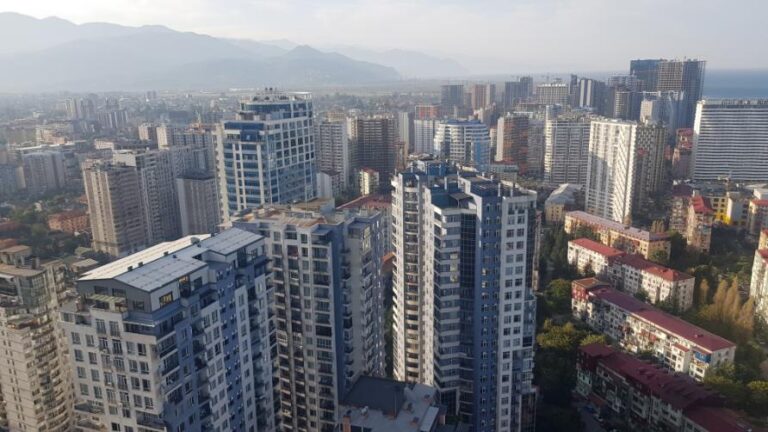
{"points": [[701, 293], [660, 256], [594, 338], [758, 397], [557, 297]]}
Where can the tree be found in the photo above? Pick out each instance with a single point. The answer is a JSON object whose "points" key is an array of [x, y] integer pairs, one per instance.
{"points": [[723, 380], [557, 297], [702, 293], [594, 338], [660, 256], [758, 397]]}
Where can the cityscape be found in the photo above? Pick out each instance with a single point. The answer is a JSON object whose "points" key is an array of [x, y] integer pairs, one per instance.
{"points": [[208, 233]]}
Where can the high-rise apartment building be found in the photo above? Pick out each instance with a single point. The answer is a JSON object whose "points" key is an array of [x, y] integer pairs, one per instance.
{"points": [[333, 152], [79, 109], [426, 112], [175, 337], [482, 95], [517, 91], [424, 136], [512, 140], [684, 76], [197, 202], [555, 93], [590, 94], [267, 155], [114, 207], [566, 149], [730, 140], [374, 142], [467, 142], [646, 71], [35, 383], [451, 99], [464, 316], [611, 169], [157, 190], [44, 172], [328, 311]]}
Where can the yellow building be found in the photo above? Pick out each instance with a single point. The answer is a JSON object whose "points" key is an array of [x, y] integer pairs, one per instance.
{"points": [[624, 237]]}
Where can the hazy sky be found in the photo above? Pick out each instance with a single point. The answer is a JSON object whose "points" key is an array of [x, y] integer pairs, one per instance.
{"points": [[485, 35]]}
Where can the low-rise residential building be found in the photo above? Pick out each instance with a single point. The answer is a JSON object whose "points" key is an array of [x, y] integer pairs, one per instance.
{"points": [[75, 221], [639, 327], [620, 236], [692, 216], [382, 405], [757, 216], [650, 398], [633, 274], [591, 256], [567, 197]]}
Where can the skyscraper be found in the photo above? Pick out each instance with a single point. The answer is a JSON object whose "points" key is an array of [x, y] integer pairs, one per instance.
{"points": [[333, 152], [197, 203], [176, 337], [114, 207], [465, 315], [157, 191], [566, 149], [686, 76], [512, 140], [374, 139], [424, 136], [730, 140], [328, 308], [267, 155], [44, 172], [591, 94], [556, 93], [611, 169], [451, 99], [517, 91], [466, 142], [646, 71], [35, 382], [482, 95]]}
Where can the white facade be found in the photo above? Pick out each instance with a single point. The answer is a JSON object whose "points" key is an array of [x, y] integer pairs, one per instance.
{"points": [[566, 150], [464, 142], [424, 136], [610, 185], [758, 287], [730, 140]]}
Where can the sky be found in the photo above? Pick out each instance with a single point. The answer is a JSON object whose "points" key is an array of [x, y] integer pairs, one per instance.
{"points": [[487, 36]]}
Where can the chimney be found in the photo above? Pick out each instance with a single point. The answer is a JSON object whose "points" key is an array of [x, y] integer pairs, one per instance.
{"points": [[346, 424]]}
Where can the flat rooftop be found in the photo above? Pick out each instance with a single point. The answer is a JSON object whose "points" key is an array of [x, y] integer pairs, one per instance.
{"points": [[385, 405], [158, 265]]}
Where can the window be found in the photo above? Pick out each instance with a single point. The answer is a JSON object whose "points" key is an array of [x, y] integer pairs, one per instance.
{"points": [[75, 338], [166, 298], [89, 341], [78, 355], [81, 372]]}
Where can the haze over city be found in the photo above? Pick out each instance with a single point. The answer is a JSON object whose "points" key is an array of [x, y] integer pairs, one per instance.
{"points": [[383, 216]]}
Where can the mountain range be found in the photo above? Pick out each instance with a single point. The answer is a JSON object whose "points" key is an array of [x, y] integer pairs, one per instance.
{"points": [[53, 54]]}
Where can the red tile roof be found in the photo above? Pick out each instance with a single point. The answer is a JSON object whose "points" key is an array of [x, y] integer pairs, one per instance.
{"points": [[680, 391], [597, 247], [626, 230], [642, 264], [719, 419], [707, 341], [701, 205], [763, 254], [760, 202]]}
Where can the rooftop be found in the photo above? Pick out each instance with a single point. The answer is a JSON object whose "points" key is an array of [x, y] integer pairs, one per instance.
{"points": [[384, 405], [375, 201], [719, 419], [564, 194], [683, 329], [155, 267], [598, 247], [626, 230], [701, 205], [640, 263], [678, 390]]}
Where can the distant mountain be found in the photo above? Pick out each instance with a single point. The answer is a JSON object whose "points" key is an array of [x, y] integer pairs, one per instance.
{"points": [[53, 54], [409, 63], [20, 33], [281, 43]]}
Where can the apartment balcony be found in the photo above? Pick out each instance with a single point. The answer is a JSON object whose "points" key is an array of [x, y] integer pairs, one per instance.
{"points": [[86, 408], [151, 421]]}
